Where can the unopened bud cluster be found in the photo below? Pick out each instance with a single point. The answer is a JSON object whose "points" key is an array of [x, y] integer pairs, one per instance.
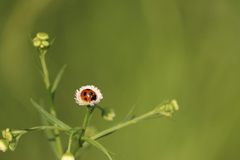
{"points": [[168, 108], [10, 139], [41, 41]]}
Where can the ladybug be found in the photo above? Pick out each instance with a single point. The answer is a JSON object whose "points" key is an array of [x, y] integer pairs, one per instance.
{"points": [[88, 95]]}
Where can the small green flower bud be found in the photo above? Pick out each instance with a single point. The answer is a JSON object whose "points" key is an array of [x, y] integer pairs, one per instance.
{"points": [[36, 43], [108, 113], [8, 136], [68, 156], [45, 43], [4, 133], [3, 145], [175, 105], [42, 36], [12, 146], [14, 142], [42, 46]]}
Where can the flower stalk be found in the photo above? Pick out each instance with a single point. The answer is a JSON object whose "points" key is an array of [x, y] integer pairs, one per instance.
{"points": [[166, 109], [41, 41], [85, 123]]}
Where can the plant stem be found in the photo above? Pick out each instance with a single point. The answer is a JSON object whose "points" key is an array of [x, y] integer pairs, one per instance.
{"points": [[85, 123], [70, 142], [45, 70], [45, 127], [50, 99], [121, 125]]}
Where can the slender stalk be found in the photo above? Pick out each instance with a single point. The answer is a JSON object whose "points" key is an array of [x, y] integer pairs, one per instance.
{"points": [[45, 70], [45, 127], [119, 126], [70, 142], [85, 123], [50, 99]]}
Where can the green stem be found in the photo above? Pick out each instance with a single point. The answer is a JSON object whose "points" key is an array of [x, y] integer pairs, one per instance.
{"points": [[50, 98], [100, 108], [85, 123], [70, 142], [45, 70], [45, 127], [119, 126]]}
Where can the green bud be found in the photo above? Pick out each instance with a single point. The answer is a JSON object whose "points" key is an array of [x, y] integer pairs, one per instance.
{"points": [[167, 108], [3, 145], [68, 156], [175, 105], [42, 36], [36, 43], [4, 133], [8, 136], [12, 146], [45, 43], [108, 113], [14, 142]]}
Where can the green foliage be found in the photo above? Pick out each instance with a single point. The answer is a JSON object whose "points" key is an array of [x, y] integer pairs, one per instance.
{"points": [[58, 78], [98, 146], [49, 117]]}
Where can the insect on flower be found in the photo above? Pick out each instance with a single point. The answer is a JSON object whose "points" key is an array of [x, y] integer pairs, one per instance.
{"points": [[88, 95]]}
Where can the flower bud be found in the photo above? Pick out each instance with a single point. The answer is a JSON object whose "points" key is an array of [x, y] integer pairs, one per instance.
{"points": [[3, 145], [4, 133], [167, 108], [175, 105], [108, 113], [41, 41], [7, 134], [12, 146], [36, 43], [42, 36], [45, 43], [68, 156]]}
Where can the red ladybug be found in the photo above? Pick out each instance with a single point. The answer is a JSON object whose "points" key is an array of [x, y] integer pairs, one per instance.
{"points": [[88, 95]]}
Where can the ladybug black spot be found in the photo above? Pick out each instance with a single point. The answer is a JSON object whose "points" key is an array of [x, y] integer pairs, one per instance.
{"points": [[94, 97], [85, 99], [84, 93]]}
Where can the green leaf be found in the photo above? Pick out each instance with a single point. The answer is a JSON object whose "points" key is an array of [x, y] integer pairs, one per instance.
{"points": [[58, 78], [98, 146], [49, 117], [37, 65]]}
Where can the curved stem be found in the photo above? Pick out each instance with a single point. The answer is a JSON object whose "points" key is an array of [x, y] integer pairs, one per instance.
{"points": [[50, 99]]}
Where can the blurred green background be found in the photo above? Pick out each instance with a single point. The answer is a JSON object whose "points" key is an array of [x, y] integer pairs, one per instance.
{"points": [[136, 52]]}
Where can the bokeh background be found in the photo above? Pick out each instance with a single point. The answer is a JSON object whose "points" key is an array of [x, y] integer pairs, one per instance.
{"points": [[138, 53]]}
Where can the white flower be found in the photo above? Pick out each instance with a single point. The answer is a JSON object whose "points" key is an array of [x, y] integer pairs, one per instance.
{"points": [[88, 95]]}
